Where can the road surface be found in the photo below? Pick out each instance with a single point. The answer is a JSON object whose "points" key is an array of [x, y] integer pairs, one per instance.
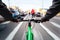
{"points": [[42, 31]]}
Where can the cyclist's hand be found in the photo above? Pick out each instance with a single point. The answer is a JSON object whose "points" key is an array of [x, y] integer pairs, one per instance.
{"points": [[44, 19], [14, 20], [37, 21], [17, 20]]}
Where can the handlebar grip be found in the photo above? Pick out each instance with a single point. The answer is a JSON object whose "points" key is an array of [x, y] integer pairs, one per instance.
{"points": [[37, 21]]}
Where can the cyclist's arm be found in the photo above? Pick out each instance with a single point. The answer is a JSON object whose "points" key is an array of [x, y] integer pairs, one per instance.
{"points": [[6, 13], [54, 9]]}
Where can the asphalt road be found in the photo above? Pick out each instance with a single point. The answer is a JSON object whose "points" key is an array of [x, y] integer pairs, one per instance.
{"points": [[42, 31]]}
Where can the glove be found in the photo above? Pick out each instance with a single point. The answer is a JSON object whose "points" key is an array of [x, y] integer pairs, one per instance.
{"points": [[37, 21], [18, 19], [14, 20], [44, 19]]}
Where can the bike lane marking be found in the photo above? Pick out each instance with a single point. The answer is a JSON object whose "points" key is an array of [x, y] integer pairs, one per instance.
{"points": [[49, 32], [12, 34]]}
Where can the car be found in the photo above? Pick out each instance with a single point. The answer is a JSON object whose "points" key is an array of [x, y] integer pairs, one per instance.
{"points": [[15, 13], [38, 14], [23, 13]]}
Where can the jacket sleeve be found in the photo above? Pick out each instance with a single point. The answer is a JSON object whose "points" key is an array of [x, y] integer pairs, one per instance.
{"points": [[5, 12], [54, 9]]}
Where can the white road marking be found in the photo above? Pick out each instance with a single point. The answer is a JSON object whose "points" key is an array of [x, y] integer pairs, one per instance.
{"points": [[12, 34], [55, 24], [57, 18], [49, 32], [5, 22]]}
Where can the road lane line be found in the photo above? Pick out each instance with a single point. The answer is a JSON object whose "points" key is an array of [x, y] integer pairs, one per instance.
{"points": [[49, 32], [12, 34], [57, 18], [5, 22], [55, 24]]}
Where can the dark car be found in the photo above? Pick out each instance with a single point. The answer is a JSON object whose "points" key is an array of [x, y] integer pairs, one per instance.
{"points": [[38, 14]]}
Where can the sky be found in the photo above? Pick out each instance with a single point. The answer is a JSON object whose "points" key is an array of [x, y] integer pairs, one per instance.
{"points": [[29, 4]]}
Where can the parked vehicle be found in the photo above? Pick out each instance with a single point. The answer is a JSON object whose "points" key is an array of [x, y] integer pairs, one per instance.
{"points": [[38, 14]]}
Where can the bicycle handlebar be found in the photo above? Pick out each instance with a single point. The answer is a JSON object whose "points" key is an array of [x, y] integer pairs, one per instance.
{"points": [[29, 20], [34, 20]]}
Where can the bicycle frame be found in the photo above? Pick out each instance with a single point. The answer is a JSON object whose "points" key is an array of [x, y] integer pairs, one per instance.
{"points": [[29, 34]]}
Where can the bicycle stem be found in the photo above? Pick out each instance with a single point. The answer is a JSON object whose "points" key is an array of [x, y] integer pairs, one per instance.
{"points": [[29, 31]]}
